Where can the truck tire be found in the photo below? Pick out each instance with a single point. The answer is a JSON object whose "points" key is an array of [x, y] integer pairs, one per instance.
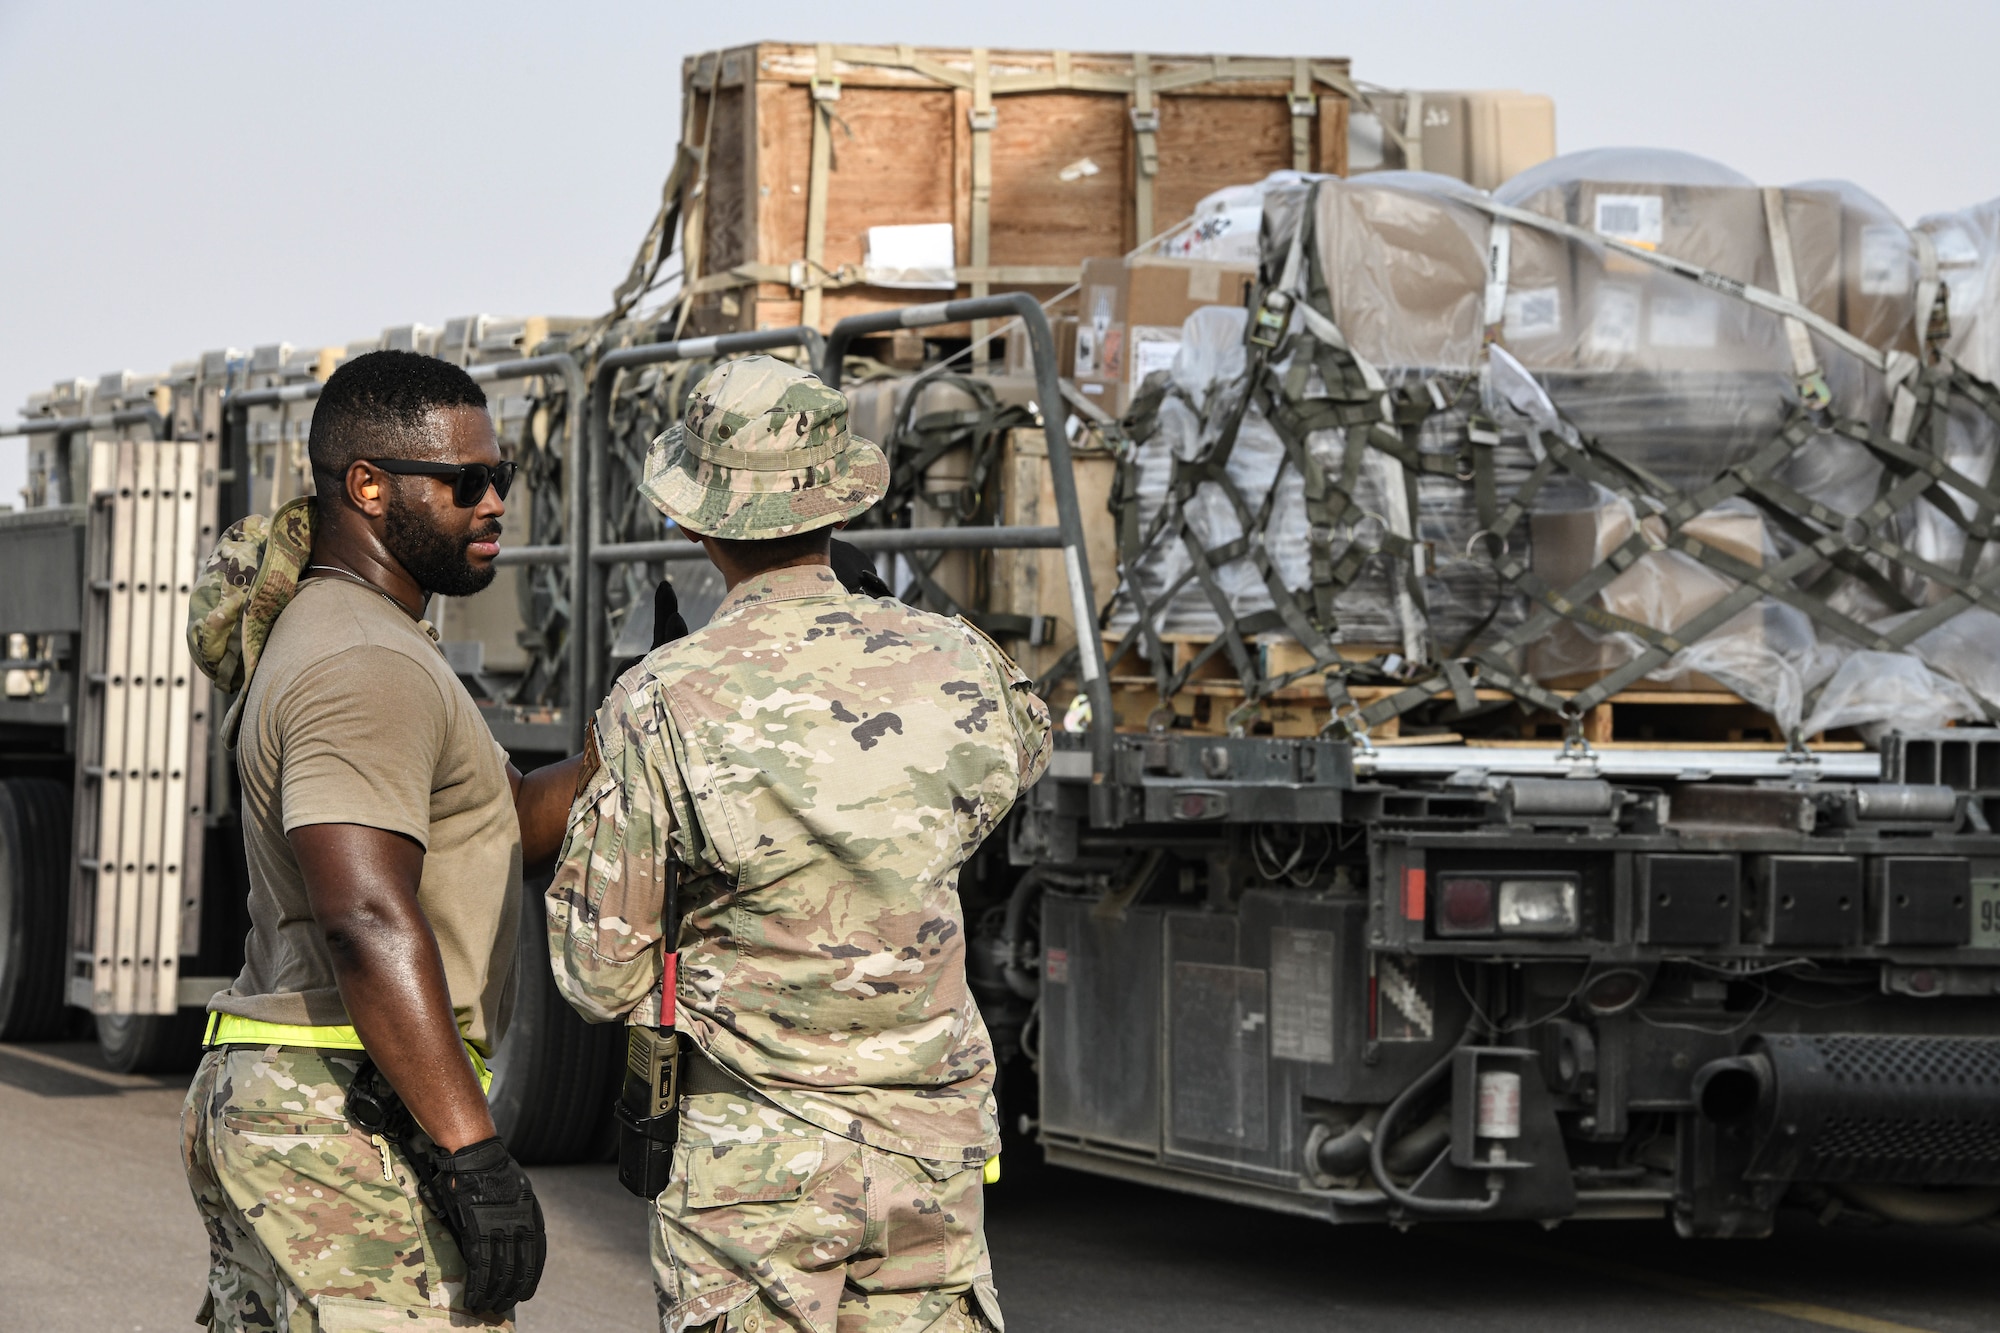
{"points": [[554, 1076], [151, 1043], [34, 907]]}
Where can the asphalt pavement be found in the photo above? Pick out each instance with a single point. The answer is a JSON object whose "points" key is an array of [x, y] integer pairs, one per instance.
{"points": [[97, 1235]]}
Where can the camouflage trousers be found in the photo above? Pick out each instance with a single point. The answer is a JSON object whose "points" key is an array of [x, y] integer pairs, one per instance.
{"points": [[313, 1226], [770, 1223]]}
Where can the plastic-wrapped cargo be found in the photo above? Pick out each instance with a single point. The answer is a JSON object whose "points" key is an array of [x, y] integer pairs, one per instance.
{"points": [[1966, 245], [1474, 445]]}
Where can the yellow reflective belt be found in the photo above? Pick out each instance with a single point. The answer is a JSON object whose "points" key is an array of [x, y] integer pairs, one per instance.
{"points": [[235, 1030]]}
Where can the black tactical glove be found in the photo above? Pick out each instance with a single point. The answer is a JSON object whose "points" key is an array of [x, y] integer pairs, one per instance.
{"points": [[487, 1201], [668, 622], [855, 570]]}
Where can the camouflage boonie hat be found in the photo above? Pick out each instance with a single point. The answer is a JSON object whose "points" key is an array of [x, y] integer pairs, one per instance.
{"points": [[246, 581], [762, 451]]}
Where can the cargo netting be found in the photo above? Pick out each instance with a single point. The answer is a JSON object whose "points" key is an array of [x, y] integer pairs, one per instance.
{"points": [[1628, 419]]}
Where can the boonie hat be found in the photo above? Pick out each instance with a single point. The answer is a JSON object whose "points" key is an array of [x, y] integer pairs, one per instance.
{"points": [[762, 451], [248, 579]]}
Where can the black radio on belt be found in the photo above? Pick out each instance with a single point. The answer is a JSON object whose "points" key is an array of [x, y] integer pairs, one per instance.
{"points": [[648, 1108]]}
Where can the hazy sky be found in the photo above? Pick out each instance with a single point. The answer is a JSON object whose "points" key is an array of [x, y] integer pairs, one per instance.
{"points": [[188, 176]]}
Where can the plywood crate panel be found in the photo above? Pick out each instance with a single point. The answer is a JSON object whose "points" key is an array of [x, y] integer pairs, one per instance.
{"points": [[1037, 160]]}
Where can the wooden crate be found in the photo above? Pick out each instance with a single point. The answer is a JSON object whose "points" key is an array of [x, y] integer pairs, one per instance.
{"points": [[792, 151]]}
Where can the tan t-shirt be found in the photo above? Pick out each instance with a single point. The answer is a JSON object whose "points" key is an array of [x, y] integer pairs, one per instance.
{"points": [[355, 718]]}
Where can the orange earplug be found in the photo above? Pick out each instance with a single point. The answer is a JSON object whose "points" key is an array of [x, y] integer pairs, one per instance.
{"points": [[370, 491]]}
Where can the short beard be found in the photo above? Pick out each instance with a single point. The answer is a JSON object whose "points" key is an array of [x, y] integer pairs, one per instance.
{"points": [[436, 560]]}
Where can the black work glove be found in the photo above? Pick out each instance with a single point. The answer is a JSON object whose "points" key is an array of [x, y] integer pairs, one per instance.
{"points": [[668, 622], [488, 1203], [855, 570]]}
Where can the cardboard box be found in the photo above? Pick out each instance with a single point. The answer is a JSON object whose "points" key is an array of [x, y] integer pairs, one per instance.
{"points": [[1508, 132], [1664, 590], [1033, 583], [1130, 314], [1878, 279], [1630, 315], [1406, 272], [1018, 361], [1482, 138]]}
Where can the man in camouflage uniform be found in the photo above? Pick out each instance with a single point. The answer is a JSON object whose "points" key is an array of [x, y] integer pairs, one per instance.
{"points": [[817, 766]]}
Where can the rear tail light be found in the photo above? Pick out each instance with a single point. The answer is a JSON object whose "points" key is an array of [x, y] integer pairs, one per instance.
{"points": [[1464, 906], [1482, 906], [1547, 907]]}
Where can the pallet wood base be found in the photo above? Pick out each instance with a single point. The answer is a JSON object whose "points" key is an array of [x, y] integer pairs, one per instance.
{"points": [[1646, 715]]}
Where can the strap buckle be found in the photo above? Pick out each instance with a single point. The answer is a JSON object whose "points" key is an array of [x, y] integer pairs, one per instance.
{"points": [[982, 119], [825, 88], [1145, 122], [1240, 717], [1347, 718], [1303, 104], [1814, 392]]}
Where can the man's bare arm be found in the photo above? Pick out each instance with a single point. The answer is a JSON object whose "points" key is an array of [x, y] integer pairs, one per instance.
{"points": [[362, 885], [541, 802]]}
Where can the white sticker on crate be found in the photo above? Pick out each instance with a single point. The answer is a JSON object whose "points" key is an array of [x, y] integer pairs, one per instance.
{"points": [[1614, 320], [1885, 261], [1153, 348], [1636, 219], [1534, 313], [1683, 319], [915, 257]]}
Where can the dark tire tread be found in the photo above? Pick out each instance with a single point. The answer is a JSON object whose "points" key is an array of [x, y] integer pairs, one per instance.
{"points": [[556, 1075], [34, 840]]}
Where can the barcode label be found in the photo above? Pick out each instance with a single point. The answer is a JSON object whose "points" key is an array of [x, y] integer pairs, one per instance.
{"points": [[1635, 219]]}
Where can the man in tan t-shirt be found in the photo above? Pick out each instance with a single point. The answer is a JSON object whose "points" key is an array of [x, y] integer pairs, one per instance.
{"points": [[337, 1135]]}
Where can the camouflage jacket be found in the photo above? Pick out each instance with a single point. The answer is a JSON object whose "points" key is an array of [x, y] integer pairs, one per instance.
{"points": [[819, 766]]}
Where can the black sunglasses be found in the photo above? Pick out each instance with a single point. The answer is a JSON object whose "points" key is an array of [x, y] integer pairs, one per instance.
{"points": [[469, 480]]}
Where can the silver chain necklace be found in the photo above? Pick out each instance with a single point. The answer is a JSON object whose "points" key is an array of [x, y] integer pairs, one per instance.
{"points": [[350, 574]]}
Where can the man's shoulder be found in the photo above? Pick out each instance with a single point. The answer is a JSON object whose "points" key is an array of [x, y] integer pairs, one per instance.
{"points": [[818, 622], [334, 627]]}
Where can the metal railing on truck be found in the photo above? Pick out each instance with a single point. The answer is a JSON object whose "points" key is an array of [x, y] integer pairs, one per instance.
{"points": [[826, 355], [137, 929], [576, 472]]}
